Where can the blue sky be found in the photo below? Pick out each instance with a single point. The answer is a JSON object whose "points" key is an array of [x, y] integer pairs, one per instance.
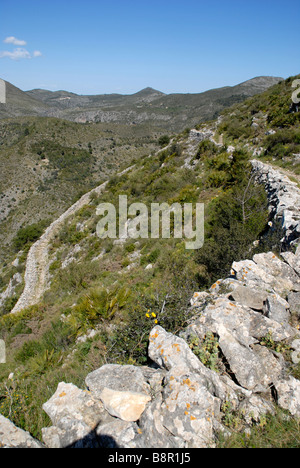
{"points": [[122, 46]]}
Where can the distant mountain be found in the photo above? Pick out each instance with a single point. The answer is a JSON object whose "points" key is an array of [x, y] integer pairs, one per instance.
{"points": [[171, 112]]}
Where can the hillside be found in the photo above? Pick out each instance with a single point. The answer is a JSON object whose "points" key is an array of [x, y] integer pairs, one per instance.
{"points": [[36, 185], [172, 112], [47, 163], [97, 301], [19, 103]]}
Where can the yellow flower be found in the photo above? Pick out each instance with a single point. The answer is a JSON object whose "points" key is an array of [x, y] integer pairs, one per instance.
{"points": [[153, 315], [156, 322], [147, 315]]}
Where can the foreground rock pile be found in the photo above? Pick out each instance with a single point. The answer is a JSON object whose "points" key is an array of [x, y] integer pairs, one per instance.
{"points": [[233, 361], [179, 401]]}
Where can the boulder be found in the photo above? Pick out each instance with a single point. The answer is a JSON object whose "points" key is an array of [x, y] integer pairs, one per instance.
{"points": [[274, 266], [255, 408], [189, 408], [118, 434], [295, 355], [246, 366], [118, 378], [293, 260], [2, 352], [13, 437], [257, 276], [75, 414], [154, 434], [277, 309]]}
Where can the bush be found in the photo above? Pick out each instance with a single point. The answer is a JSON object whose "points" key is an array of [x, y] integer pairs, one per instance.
{"points": [[8, 305], [100, 304], [235, 222], [164, 140], [28, 235], [206, 148], [283, 143]]}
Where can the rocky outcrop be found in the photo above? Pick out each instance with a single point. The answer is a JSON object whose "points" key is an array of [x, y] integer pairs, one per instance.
{"points": [[13, 437], [183, 399], [179, 401], [232, 356]]}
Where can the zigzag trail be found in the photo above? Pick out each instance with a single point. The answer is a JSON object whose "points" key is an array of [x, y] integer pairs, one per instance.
{"points": [[35, 277]]}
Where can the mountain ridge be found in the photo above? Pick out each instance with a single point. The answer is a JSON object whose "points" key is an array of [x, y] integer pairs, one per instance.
{"points": [[174, 111]]}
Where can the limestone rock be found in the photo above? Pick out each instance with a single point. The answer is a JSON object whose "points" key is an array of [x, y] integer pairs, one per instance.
{"points": [[295, 355], [127, 406], [257, 276], [70, 401], [155, 435], [294, 302], [2, 352], [189, 408], [74, 414], [75, 434], [288, 392], [117, 377], [247, 368], [170, 351], [199, 299], [249, 297], [277, 308], [293, 260], [13, 437], [118, 434], [255, 408]]}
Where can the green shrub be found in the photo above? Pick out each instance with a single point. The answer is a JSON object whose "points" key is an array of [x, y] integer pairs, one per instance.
{"points": [[100, 304], [164, 140], [283, 143], [236, 219], [8, 305], [28, 235], [206, 148], [152, 257]]}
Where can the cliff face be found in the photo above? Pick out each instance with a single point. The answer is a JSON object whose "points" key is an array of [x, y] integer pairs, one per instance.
{"points": [[233, 358]]}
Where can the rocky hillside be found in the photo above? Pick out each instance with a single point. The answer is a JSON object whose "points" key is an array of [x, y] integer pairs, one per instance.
{"points": [[229, 363], [47, 163], [166, 366]]}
